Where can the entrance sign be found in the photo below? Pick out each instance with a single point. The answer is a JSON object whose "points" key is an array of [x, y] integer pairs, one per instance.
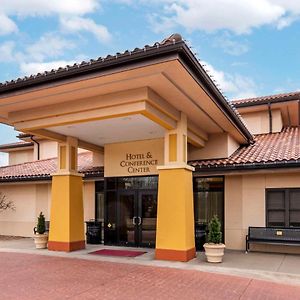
{"points": [[138, 163], [133, 158]]}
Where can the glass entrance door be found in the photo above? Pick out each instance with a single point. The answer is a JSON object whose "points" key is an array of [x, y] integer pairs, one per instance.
{"points": [[127, 211], [137, 212], [147, 218], [131, 211]]}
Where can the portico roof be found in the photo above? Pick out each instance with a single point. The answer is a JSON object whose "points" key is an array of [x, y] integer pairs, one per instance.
{"points": [[167, 72]]}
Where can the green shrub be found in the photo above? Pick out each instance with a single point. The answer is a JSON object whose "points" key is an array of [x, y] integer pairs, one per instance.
{"points": [[214, 234], [41, 224]]}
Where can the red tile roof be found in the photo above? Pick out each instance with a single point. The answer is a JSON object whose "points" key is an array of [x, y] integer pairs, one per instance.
{"points": [[277, 149], [42, 169], [266, 99], [271, 148]]}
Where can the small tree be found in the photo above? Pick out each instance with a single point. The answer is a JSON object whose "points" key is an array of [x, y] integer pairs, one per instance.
{"points": [[214, 234], [41, 225], [5, 204]]}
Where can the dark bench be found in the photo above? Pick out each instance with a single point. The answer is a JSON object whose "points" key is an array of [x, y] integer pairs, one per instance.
{"points": [[271, 235], [47, 223]]}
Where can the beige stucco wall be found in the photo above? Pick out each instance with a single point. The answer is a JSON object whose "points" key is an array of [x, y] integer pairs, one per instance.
{"points": [[218, 146], [258, 122], [48, 149], [277, 122], [30, 200], [245, 203], [20, 156]]}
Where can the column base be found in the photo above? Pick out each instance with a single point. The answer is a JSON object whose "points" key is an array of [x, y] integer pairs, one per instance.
{"points": [[66, 246], [175, 255]]}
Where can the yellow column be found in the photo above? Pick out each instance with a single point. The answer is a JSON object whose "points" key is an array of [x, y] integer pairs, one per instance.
{"points": [[175, 213], [66, 218]]}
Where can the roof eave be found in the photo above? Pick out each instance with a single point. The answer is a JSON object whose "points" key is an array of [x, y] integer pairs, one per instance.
{"points": [[215, 93], [266, 101], [249, 166]]}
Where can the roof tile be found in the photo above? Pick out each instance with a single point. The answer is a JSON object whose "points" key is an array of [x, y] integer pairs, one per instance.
{"points": [[46, 167], [267, 148], [259, 100]]}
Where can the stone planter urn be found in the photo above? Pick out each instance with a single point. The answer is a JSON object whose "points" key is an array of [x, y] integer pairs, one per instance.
{"points": [[41, 240], [214, 252], [40, 237], [214, 249]]}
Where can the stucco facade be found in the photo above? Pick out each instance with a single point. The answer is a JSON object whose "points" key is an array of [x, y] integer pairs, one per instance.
{"points": [[32, 198], [245, 204], [147, 124]]}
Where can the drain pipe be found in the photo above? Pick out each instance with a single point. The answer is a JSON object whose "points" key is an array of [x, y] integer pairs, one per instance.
{"points": [[38, 146], [270, 118]]}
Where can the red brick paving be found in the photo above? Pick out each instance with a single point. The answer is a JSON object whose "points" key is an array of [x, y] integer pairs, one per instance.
{"points": [[25, 276]]}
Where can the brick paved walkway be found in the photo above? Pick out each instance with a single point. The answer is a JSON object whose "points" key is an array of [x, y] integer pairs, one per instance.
{"points": [[25, 276]]}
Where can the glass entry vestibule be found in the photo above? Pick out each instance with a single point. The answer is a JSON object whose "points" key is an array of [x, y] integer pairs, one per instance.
{"points": [[130, 211], [208, 201]]}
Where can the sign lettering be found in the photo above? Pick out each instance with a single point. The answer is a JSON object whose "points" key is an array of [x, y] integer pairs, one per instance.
{"points": [[138, 162]]}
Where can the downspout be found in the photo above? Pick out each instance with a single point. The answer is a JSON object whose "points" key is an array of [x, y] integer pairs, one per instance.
{"points": [[38, 146], [270, 118]]}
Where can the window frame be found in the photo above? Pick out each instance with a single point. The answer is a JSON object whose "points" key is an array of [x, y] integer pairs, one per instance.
{"points": [[287, 209]]}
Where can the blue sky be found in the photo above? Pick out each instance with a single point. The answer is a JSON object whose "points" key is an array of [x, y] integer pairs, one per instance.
{"points": [[250, 46]]}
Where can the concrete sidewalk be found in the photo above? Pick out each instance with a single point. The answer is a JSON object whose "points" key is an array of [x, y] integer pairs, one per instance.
{"points": [[281, 268]]}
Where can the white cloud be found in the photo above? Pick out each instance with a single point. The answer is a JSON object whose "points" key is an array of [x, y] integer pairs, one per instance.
{"points": [[240, 17], [43, 7], [231, 46], [235, 86], [70, 13], [7, 25], [77, 24], [49, 45], [36, 67], [7, 51]]}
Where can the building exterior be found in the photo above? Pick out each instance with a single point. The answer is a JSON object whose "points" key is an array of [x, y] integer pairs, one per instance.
{"points": [[146, 143]]}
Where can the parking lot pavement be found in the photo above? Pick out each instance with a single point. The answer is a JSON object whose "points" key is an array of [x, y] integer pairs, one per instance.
{"points": [[28, 276]]}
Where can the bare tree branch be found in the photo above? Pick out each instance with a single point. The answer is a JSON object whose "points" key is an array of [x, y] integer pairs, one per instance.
{"points": [[5, 204]]}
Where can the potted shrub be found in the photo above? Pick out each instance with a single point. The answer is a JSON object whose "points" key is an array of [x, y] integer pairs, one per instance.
{"points": [[214, 249], [40, 237]]}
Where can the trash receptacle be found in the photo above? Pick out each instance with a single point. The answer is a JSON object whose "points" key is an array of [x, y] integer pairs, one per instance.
{"points": [[93, 232]]}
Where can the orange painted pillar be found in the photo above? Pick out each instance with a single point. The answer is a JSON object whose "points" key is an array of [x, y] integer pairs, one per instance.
{"points": [[66, 216], [175, 238]]}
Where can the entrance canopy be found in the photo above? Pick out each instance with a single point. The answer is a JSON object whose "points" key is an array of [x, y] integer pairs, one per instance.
{"points": [[129, 96]]}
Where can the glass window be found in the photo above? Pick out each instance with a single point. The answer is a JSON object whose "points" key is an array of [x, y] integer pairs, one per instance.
{"points": [[127, 183], [283, 207]]}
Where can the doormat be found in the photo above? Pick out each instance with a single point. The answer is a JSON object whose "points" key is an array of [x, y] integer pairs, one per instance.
{"points": [[122, 253]]}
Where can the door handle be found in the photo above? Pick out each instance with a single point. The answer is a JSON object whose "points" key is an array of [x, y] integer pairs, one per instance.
{"points": [[140, 221], [133, 221]]}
